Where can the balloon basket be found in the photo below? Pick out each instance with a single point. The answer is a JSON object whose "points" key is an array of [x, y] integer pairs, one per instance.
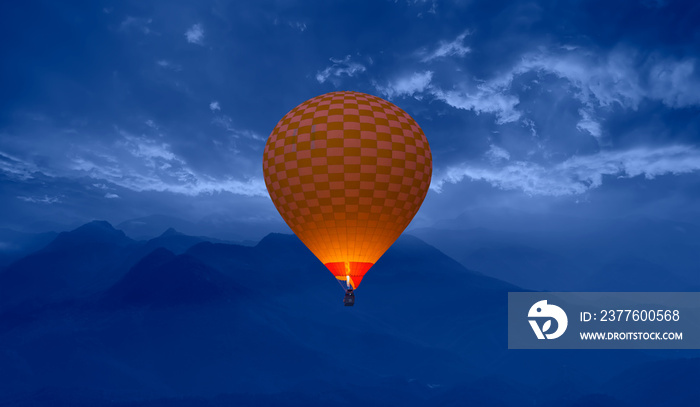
{"points": [[349, 299]]}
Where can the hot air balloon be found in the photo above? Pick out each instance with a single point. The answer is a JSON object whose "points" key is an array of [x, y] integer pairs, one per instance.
{"points": [[347, 171]]}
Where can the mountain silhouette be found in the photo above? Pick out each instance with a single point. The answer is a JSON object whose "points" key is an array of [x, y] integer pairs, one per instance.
{"points": [[96, 234], [80, 263], [14, 244], [148, 227], [223, 227], [279, 263], [162, 278], [74, 263], [224, 324], [175, 241]]}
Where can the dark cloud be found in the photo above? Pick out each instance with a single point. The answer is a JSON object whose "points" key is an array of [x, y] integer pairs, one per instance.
{"points": [[164, 108]]}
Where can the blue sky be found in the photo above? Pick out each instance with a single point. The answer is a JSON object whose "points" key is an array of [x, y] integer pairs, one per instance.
{"points": [[116, 110]]}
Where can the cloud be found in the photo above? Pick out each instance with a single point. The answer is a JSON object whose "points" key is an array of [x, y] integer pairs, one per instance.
{"points": [[149, 150], [227, 123], [150, 123], [298, 25], [455, 47], [142, 163], [48, 200], [139, 163], [339, 68], [111, 196], [179, 179], [295, 24], [588, 124], [596, 80], [409, 85], [490, 97], [675, 83], [16, 168], [497, 154], [431, 10], [487, 98], [136, 23], [620, 77], [214, 106], [195, 34], [577, 174], [164, 63]]}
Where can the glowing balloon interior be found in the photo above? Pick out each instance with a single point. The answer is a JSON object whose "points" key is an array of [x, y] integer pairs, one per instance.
{"points": [[347, 171]]}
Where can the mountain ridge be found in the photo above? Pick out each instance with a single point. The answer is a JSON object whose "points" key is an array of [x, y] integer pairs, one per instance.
{"points": [[170, 327]]}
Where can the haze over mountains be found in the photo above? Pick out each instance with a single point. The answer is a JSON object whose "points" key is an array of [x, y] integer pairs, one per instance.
{"points": [[14, 245], [569, 253], [565, 253], [97, 318]]}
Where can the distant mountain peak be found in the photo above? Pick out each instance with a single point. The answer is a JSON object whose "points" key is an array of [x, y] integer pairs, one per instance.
{"points": [[97, 232], [98, 225], [278, 238], [161, 278], [171, 232]]}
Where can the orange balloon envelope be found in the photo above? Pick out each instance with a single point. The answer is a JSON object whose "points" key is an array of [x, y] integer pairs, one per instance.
{"points": [[347, 171]]}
